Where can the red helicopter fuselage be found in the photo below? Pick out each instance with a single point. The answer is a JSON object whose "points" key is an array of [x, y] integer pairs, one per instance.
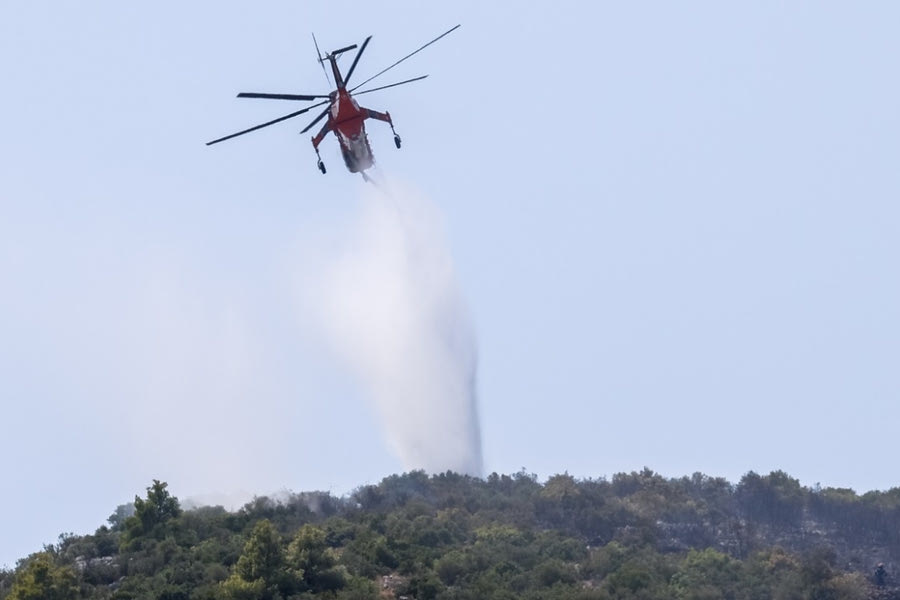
{"points": [[347, 120]]}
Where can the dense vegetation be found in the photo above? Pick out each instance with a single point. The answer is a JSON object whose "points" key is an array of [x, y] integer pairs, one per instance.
{"points": [[450, 537]]}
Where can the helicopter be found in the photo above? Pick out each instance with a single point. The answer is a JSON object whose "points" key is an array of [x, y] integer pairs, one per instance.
{"points": [[345, 117]]}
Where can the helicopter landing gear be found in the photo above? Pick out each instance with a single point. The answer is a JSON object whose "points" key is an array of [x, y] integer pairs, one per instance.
{"points": [[396, 137]]}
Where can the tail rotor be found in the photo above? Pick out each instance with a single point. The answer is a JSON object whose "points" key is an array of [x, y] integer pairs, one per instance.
{"points": [[321, 60]]}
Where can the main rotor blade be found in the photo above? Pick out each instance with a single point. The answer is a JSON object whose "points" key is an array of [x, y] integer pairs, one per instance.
{"points": [[316, 120], [281, 96], [391, 85], [278, 120], [405, 57], [342, 50], [356, 60]]}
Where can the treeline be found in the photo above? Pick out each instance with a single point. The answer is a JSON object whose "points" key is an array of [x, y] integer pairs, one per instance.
{"points": [[451, 537]]}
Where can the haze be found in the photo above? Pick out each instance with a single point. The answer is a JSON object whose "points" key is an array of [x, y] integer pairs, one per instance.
{"points": [[675, 226]]}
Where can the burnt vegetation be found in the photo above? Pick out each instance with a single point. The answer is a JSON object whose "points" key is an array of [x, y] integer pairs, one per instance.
{"points": [[452, 537]]}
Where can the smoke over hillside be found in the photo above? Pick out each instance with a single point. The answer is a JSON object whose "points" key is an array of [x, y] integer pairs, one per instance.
{"points": [[392, 310]]}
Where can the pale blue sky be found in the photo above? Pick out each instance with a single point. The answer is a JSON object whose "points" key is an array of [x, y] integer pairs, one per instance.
{"points": [[676, 226]]}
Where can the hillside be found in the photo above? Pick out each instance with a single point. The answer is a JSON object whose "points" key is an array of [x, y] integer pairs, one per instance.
{"points": [[450, 537]]}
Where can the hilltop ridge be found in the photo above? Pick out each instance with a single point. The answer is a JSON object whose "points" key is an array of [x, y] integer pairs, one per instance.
{"points": [[454, 537]]}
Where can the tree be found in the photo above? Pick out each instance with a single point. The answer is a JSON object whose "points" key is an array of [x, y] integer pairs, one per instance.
{"points": [[41, 579], [117, 519], [262, 556], [258, 571], [777, 497], [311, 561], [706, 574], [451, 567], [151, 515], [426, 585], [159, 507]]}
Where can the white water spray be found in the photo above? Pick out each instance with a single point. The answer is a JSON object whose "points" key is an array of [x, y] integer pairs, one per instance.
{"points": [[392, 309]]}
